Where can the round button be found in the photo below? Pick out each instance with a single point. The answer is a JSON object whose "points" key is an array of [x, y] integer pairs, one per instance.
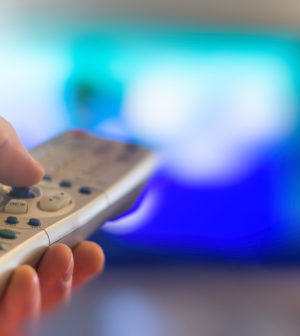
{"points": [[11, 220], [23, 192], [34, 222], [85, 190], [47, 177], [65, 183]]}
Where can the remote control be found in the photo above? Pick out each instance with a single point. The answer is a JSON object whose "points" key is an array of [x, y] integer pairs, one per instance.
{"points": [[88, 180]]}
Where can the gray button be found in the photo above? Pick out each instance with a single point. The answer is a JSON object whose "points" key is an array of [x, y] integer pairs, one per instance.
{"points": [[54, 200], [16, 206]]}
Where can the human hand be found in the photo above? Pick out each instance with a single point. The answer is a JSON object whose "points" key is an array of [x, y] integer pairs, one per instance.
{"points": [[31, 292]]}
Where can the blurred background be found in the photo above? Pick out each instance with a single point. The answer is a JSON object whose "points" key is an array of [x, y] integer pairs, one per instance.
{"points": [[214, 89]]}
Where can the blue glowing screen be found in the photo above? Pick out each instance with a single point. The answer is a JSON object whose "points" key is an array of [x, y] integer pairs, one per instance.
{"points": [[220, 108]]}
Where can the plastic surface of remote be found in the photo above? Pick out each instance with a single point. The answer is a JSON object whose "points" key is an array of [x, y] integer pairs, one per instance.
{"points": [[88, 180]]}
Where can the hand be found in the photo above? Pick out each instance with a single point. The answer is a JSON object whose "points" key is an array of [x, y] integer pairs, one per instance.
{"points": [[31, 291]]}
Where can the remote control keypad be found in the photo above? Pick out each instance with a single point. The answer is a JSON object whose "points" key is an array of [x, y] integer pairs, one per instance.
{"points": [[79, 169], [87, 180]]}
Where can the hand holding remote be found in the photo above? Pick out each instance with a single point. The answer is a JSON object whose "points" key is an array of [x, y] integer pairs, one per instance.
{"points": [[31, 291]]}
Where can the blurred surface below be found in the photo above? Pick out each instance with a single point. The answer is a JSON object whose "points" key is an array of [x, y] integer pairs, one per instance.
{"points": [[183, 300]]}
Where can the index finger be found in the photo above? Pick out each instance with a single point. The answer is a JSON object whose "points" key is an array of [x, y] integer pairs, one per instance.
{"points": [[18, 168]]}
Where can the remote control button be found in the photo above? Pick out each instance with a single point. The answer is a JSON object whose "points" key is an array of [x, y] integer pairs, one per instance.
{"points": [[85, 190], [47, 177], [54, 200], [16, 206], [65, 183], [8, 234], [11, 220], [34, 222], [24, 192]]}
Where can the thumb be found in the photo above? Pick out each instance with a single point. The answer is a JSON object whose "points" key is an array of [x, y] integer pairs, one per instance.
{"points": [[17, 167]]}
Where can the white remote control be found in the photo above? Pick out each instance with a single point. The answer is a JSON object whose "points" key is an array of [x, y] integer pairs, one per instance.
{"points": [[88, 181]]}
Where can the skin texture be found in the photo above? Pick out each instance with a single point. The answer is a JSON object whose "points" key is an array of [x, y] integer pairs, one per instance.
{"points": [[33, 291]]}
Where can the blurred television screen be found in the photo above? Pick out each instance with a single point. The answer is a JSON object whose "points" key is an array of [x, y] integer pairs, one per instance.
{"points": [[218, 104]]}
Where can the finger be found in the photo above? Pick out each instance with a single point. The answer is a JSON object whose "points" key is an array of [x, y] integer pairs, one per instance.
{"points": [[22, 300], [88, 261], [55, 274], [17, 168]]}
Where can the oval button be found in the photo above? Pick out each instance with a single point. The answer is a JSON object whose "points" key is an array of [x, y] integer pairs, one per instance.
{"points": [[34, 222], [11, 220], [24, 192], [55, 200], [8, 234]]}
